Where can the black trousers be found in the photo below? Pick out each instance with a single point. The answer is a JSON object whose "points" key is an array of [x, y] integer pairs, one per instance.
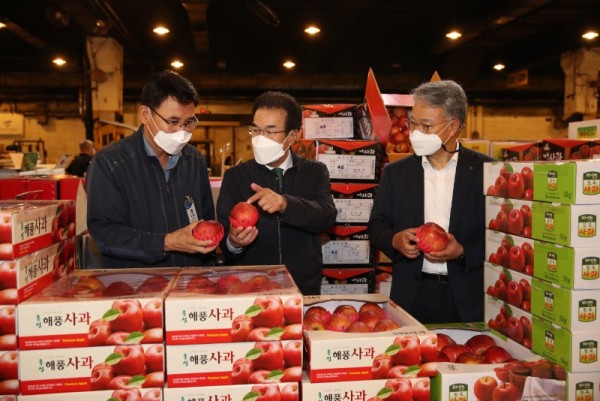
{"points": [[434, 303]]}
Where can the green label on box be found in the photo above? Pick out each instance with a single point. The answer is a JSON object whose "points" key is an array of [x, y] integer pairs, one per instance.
{"points": [[549, 221], [586, 226], [588, 351], [551, 261], [584, 391], [591, 183], [458, 392], [586, 311], [587, 132], [549, 341], [590, 268], [548, 301], [554, 264], [552, 180]]}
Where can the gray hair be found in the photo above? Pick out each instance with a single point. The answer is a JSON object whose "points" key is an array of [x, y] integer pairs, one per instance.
{"points": [[447, 94]]}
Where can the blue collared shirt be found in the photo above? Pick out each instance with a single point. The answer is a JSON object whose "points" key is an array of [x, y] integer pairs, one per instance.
{"points": [[171, 161]]}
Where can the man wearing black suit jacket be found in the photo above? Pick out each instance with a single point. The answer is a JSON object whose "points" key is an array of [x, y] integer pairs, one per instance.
{"points": [[443, 183]]}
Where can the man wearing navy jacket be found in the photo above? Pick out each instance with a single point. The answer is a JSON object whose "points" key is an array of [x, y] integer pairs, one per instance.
{"points": [[442, 183]]}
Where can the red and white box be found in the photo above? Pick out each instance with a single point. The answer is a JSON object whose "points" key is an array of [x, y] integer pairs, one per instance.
{"points": [[509, 321], [349, 356], [564, 149], [8, 327], [507, 285], [351, 160], [513, 216], [9, 373], [510, 251], [234, 304], [348, 280], [223, 364], [353, 201], [509, 180], [234, 392], [347, 245], [92, 308], [25, 276], [92, 368], [383, 279], [334, 121], [131, 394], [58, 186]]}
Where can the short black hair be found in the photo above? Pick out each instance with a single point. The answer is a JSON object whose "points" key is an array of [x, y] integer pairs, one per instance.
{"points": [[284, 101], [168, 84]]}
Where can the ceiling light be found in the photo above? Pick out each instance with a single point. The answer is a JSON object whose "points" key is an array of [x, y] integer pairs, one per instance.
{"points": [[499, 67], [590, 35], [453, 35], [289, 64], [59, 61], [176, 64], [161, 30], [2, 25], [312, 30]]}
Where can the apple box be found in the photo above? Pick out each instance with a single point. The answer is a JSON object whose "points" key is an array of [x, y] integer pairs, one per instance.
{"points": [[497, 148], [577, 351], [91, 368], [353, 201], [479, 145], [306, 148], [569, 225], [235, 392], [564, 149], [350, 356], [588, 129], [575, 310], [506, 320], [351, 160], [575, 268], [223, 364], [347, 245], [234, 304], [513, 216], [145, 394], [58, 186], [407, 389], [8, 327], [509, 180], [25, 276], [383, 279], [510, 251], [527, 151], [92, 308], [335, 121], [569, 182], [9, 372], [348, 280]]}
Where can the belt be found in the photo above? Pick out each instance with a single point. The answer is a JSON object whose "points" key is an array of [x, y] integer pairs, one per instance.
{"points": [[435, 277]]}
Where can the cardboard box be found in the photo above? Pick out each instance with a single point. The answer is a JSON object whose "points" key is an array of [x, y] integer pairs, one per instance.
{"points": [[577, 351], [509, 322], [353, 201], [383, 279], [569, 225], [588, 129], [575, 268], [569, 182], [527, 151], [145, 394], [92, 308], [479, 145], [8, 327], [238, 304], [333, 121], [9, 377], [223, 364], [347, 245], [512, 216], [564, 149], [351, 160], [575, 310], [508, 286], [497, 148], [510, 251], [405, 389], [497, 179], [25, 276], [235, 392], [58, 186], [348, 280], [89, 368], [336, 356]]}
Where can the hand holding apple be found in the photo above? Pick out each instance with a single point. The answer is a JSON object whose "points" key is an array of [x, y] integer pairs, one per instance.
{"points": [[432, 238]]}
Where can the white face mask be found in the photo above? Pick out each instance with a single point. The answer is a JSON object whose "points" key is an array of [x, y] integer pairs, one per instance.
{"points": [[171, 143], [266, 150], [426, 144]]}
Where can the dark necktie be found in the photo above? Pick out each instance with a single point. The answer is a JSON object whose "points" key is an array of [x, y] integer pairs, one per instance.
{"points": [[279, 179]]}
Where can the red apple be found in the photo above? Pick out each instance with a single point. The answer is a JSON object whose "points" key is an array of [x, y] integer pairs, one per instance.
{"points": [[516, 259], [323, 313], [528, 194], [153, 336], [528, 270], [9, 387], [528, 252], [526, 342], [502, 221], [313, 322], [292, 374], [241, 371], [491, 190], [527, 174], [359, 327], [500, 289], [8, 296], [514, 296], [5, 227], [129, 317], [153, 314], [385, 325], [526, 231], [428, 369], [292, 353], [292, 310], [453, 351], [421, 391], [260, 334], [401, 390], [270, 311], [525, 289], [266, 392], [429, 350], [502, 256], [9, 365], [121, 382], [339, 322], [502, 374], [241, 327], [154, 357], [132, 394], [153, 394], [8, 274], [381, 366], [469, 358], [496, 354], [515, 222], [348, 310], [8, 342], [373, 307], [132, 361], [559, 372], [516, 186], [443, 340], [101, 376], [243, 214], [484, 388], [99, 332], [7, 319], [153, 284], [118, 289], [260, 376], [505, 392], [409, 350], [154, 379], [432, 238], [501, 187], [208, 230], [501, 323], [202, 284], [290, 392], [271, 355], [370, 318], [479, 343], [117, 338], [542, 370]]}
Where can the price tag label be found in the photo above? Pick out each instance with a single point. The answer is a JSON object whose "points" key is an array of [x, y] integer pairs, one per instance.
{"points": [[353, 210], [328, 127], [350, 252], [333, 289], [349, 167]]}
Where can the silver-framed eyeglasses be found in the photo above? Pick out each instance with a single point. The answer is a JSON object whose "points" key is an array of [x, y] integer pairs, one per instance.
{"points": [[424, 128], [175, 123], [267, 133]]}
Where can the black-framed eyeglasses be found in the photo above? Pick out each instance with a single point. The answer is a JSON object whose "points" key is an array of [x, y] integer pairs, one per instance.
{"points": [[267, 133], [175, 123], [424, 128]]}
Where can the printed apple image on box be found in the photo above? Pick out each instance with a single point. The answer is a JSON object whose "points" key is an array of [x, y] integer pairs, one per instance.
{"points": [[96, 308], [574, 268], [9, 372], [8, 327], [92, 368], [575, 310], [234, 363], [568, 182], [408, 389], [509, 180], [346, 343], [506, 320], [568, 225], [251, 303], [577, 351], [513, 216], [510, 251], [129, 394], [508, 286], [260, 391]]}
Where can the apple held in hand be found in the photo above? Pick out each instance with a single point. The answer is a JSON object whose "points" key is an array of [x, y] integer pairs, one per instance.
{"points": [[208, 230], [243, 215], [432, 238]]}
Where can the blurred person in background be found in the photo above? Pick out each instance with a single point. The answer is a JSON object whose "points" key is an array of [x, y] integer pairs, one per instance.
{"points": [[81, 162]]}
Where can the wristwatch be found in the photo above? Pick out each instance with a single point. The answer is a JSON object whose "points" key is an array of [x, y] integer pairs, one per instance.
{"points": [[461, 259]]}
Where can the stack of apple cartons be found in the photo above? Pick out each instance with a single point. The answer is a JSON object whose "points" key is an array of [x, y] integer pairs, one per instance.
{"points": [[547, 213], [97, 334], [34, 251], [365, 346], [234, 333]]}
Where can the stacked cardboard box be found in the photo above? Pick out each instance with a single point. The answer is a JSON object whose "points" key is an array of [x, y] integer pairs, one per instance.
{"points": [[96, 334], [233, 333]]}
